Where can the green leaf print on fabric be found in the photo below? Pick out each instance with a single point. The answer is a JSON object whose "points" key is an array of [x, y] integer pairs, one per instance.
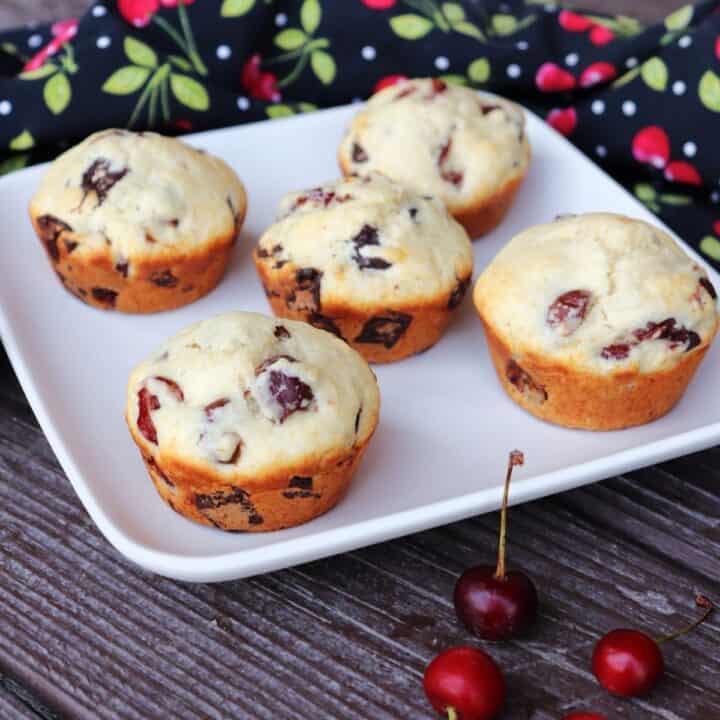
{"points": [[57, 93], [236, 8], [709, 91], [189, 92], [126, 80]]}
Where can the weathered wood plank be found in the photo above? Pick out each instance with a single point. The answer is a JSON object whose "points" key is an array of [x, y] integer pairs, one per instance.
{"points": [[14, 702]]}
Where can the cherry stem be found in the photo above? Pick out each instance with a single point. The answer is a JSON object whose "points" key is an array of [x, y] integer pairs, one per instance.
{"points": [[451, 713], [700, 601], [515, 458]]}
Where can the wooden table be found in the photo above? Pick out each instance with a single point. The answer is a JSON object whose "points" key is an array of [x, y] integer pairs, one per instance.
{"points": [[84, 634]]}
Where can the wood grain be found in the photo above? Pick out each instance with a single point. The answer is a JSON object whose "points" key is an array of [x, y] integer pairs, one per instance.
{"points": [[84, 634]]}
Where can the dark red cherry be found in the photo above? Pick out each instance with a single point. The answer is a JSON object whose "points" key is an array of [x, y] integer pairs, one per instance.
{"points": [[584, 716], [629, 663], [463, 683], [495, 608], [492, 603]]}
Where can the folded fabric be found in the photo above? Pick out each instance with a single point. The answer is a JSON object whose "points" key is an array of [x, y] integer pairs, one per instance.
{"points": [[642, 102]]}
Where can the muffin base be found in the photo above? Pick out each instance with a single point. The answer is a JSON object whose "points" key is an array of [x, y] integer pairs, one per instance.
{"points": [[590, 401], [481, 218], [281, 500], [162, 282], [380, 335]]}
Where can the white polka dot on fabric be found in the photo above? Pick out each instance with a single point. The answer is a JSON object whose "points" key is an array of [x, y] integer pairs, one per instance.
{"points": [[715, 196], [243, 103], [5, 107], [99, 11], [689, 149], [281, 19], [35, 41], [571, 59], [514, 71], [223, 52], [631, 62], [522, 45], [442, 63], [685, 41], [629, 108], [598, 107], [679, 87], [601, 151], [103, 42], [550, 7], [368, 53]]}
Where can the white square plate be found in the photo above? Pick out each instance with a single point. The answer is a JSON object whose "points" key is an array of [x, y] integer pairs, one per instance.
{"points": [[440, 451]]}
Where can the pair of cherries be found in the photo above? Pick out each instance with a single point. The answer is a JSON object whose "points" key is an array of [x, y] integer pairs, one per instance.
{"points": [[465, 683]]}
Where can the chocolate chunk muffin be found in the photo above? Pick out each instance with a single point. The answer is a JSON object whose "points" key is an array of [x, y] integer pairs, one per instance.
{"points": [[138, 222], [249, 423], [369, 261], [596, 321], [468, 149]]}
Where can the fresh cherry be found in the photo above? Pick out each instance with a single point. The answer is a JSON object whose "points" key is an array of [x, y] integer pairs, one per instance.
{"points": [[629, 663], [463, 683], [490, 602]]}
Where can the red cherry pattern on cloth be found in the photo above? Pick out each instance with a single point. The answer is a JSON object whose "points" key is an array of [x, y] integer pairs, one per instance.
{"points": [[258, 84], [62, 32], [138, 12], [682, 172], [552, 78], [574, 22], [651, 145], [577, 23], [563, 120], [598, 72], [379, 4], [601, 35], [388, 81]]}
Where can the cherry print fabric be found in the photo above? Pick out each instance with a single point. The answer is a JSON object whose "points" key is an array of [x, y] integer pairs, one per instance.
{"points": [[643, 102]]}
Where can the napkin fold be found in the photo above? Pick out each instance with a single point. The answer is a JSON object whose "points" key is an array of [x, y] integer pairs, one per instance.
{"points": [[643, 102]]}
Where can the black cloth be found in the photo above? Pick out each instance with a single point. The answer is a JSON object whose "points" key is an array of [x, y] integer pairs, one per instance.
{"points": [[643, 102]]}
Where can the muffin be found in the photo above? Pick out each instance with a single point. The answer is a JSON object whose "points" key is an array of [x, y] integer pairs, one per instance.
{"points": [[138, 222], [249, 424], [468, 149], [368, 260], [596, 321]]}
